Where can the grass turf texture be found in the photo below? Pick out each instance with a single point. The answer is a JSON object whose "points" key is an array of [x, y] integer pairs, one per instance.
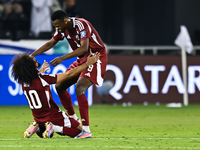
{"points": [[113, 127]]}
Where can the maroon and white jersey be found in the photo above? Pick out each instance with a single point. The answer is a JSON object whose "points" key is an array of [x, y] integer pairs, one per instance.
{"points": [[82, 29], [40, 100]]}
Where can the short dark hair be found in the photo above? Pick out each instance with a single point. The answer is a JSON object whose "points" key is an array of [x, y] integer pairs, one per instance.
{"points": [[59, 14], [24, 68]]}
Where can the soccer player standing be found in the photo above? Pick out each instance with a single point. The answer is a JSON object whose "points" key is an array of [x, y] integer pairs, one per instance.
{"points": [[83, 39]]}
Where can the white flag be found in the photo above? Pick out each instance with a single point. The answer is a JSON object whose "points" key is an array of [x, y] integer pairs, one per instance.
{"points": [[183, 40]]}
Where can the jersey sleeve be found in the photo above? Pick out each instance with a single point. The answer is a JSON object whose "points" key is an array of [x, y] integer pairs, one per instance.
{"points": [[84, 31], [49, 78], [58, 36]]}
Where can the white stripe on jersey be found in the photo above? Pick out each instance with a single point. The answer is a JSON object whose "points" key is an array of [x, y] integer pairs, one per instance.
{"points": [[95, 39], [79, 24], [67, 122], [44, 83], [81, 27], [89, 27], [48, 98], [93, 35], [73, 19], [55, 33], [99, 78]]}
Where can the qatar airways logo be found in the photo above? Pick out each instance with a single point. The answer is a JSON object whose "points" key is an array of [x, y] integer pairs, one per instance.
{"points": [[136, 79]]}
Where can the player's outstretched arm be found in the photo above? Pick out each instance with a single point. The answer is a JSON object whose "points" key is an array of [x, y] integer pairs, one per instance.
{"points": [[78, 52], [48, 45], [73, 72], [45, 67]]}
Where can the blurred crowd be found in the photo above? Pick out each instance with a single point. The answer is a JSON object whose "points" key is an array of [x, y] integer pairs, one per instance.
{"points": [[31, 19]]}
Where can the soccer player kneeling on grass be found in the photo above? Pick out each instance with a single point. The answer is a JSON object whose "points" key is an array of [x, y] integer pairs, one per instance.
{"points": [[48, 118]]}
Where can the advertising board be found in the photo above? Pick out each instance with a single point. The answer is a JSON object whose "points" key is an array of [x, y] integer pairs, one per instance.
{"points": [[11, 92], [139, 79]]}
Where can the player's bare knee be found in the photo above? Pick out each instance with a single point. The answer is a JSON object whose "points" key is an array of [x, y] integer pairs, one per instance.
{"points": [[59, 89], [80, 90]]}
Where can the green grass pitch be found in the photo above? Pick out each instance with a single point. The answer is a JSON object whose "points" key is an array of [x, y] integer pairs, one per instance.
{"points": [[113, 127]]}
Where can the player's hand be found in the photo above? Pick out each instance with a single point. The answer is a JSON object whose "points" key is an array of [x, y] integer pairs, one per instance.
{"points": [[56, 61], [91, 59], [45, 67], [31, 56]]}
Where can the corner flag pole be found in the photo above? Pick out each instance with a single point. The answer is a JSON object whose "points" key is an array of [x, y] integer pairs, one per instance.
{"points": [[184, 42], [184, 73]]}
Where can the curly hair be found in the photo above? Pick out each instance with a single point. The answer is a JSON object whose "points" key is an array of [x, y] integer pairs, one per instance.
{"points": [[24, 68]]}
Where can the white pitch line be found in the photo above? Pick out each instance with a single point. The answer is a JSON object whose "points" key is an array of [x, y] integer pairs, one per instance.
{"points": [[17, 139], [139, 138], [124, 147]]}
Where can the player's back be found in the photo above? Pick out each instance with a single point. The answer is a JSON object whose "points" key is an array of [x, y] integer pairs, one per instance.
{"points": [[39, 97]]}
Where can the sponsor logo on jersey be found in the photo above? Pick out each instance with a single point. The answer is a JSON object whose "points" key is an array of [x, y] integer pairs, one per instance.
{"points": [[83, 34], [68, 37], [87, 74]]}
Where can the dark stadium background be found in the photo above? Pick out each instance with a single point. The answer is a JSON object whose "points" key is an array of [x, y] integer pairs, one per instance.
{"points": [[133, 22], [144, 22]]}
